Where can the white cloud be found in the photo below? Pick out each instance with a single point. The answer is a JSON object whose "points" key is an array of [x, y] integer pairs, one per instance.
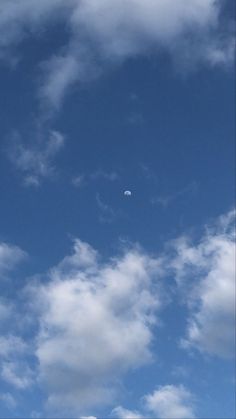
{"points": [[15, 16], [167, 402], [10, 256], [95, 324], [170, 401], [83, 257], [87, 417], [62, 72], [209, 266], [121, 413], [101, 34], [96, 321], [133, 27], [35, 161]]}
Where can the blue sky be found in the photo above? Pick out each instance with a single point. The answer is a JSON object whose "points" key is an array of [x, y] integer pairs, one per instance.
{"points": [[117, 306]]}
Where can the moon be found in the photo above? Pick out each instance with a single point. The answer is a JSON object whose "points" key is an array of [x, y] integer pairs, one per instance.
{"points": [[127, 193]]}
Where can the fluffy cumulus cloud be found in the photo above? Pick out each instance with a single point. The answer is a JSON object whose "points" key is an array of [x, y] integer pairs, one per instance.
{"points": [[170, 401], [95, 320], [35, 161], [167, 402], [95, 324], [102, 32], [209, 266]]}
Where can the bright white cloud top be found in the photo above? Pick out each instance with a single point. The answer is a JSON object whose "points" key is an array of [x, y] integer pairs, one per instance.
{"points": [[211, 325], [102, 316], [171, 402], [166, 402], [96, 322]]}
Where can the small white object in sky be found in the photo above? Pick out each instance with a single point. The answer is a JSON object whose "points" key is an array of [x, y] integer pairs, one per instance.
{"points": [[127, 193]]}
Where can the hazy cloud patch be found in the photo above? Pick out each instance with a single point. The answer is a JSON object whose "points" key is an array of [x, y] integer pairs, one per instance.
{"points": [[35, 160]]}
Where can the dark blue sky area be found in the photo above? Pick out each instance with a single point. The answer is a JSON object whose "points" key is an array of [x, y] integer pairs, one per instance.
{"points": [[165, 135]]}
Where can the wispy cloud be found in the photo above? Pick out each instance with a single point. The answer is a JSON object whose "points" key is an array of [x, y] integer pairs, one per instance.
{"points": [[75, 66], [167, 200], [35, 160], [79, 181], [101, 36], [107, 213], [84, 179]]}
